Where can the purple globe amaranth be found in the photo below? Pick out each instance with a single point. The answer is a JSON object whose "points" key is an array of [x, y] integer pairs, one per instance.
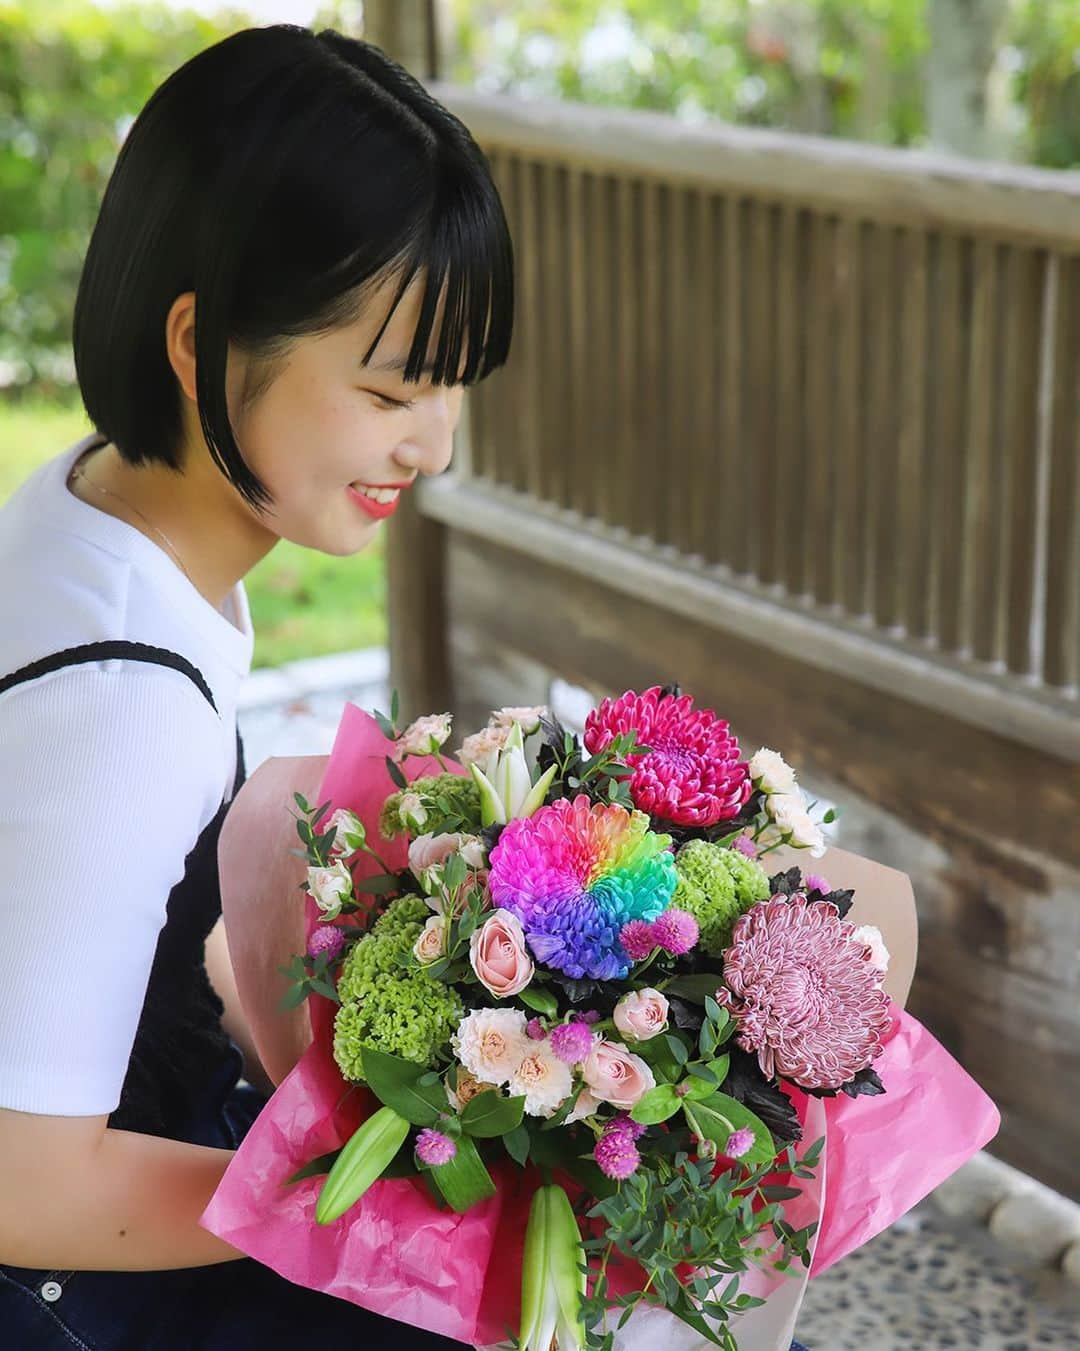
{"points": [[574, 874]]}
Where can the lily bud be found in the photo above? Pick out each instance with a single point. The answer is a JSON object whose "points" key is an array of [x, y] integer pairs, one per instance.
{"points": [[552, 1285]]}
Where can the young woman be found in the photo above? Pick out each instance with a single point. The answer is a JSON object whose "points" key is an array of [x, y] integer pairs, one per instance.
{"points": [[299, 264]]}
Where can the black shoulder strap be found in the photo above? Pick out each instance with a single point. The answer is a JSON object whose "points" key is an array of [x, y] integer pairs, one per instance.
{"points": [[105, 651]]}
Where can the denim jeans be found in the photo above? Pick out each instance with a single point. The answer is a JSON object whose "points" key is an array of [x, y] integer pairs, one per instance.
{"points": [[227, 1306]]}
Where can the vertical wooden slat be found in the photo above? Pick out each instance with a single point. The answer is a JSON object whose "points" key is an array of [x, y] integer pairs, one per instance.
{"points": [[846, 518], [703, 490], [909, 604], [976, 565], [599, 453], [506, 449], [528, 329], [626, 338], [731, 537], [650, 392], [1020, 456], [879, 560], [553, 310], [759, 450], [786, 496], [576, 448], [951, 284], [674, 486], [1062, 633], [820, 356]]}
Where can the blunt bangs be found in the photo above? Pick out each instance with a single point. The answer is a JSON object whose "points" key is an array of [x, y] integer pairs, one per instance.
{"points": [[284, 177]]}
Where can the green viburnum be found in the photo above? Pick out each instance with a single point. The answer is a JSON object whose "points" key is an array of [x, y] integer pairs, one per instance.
{"points": [[457, 791], [717, 885], [383, 1004]]}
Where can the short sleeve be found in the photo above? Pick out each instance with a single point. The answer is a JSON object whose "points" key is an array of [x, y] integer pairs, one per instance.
{"points": [[109, 774]]}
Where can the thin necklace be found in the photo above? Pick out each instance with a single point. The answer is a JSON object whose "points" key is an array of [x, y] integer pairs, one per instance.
{"points": [[77, 473]]}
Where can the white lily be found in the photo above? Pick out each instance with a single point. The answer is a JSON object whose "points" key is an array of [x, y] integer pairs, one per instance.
{"points": [[510, 792], [552, 1286]]}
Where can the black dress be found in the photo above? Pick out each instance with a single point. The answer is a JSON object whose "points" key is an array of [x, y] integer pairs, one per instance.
{"points": [[181, 1083]]}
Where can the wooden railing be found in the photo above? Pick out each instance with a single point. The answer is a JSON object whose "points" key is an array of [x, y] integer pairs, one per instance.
{"points": [[822, 394]]}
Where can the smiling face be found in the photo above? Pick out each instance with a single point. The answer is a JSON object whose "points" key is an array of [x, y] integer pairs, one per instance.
{"points": [[327, 424]]}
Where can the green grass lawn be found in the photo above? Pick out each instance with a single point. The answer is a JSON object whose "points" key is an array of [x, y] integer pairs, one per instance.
{"points": [[303, 603]]}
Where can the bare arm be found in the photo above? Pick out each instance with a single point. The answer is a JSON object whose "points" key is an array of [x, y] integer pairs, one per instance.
{"points": [[222, 977], [75, 1195]]}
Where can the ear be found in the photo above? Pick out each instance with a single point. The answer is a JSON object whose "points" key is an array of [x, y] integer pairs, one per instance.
{"points": [[180, 341], [883, 897], [262, 904]]}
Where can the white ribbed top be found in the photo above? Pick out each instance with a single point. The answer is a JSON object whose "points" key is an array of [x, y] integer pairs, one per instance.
{"points": [[108, 773]]}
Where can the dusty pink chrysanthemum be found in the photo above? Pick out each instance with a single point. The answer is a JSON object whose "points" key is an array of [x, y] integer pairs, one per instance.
{"points": [[571, 1042], [805, 994], [676, 931], [637, 938], [326, 938], [692, 774], [739, 1142], [616, 1154], [434, 1148]]}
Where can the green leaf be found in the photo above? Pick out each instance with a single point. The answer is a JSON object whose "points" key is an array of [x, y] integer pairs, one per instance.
{"points": [[718, 1116], [394, 706], [539, 1000], [302, 802], [678, 1048], [322, 1164], [396, 1083], [656, 1105], [464, 1180], [777, 1193], [394, 770], [517, 1144], [698, 1088], [379, 885], [489, 1115], [696, 989]]}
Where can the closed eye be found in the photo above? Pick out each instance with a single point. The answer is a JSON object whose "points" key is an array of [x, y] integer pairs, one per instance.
{"points": [[388, 403]]}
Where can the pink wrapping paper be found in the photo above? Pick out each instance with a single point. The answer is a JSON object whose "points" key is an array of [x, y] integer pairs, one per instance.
{"points": [[397, 1254]]}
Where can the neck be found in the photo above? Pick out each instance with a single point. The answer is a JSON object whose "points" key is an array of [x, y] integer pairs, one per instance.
{"points": [[194, 517]]}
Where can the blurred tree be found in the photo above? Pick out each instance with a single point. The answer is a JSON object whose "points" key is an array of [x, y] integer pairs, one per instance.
{"points": [[962, 114]]}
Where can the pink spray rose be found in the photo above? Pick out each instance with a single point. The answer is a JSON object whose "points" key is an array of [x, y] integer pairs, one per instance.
{"points": [[641, 1014], [498, 956], [615, 1075]]}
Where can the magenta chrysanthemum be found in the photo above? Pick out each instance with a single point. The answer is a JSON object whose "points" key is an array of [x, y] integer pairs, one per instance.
{"points": [[739, 1142], [434, 1148], [676, 931], [637, 938], [692, 773], [571, 1042], [616, 1154], [805, 994], [326, 938], [574, 874]]}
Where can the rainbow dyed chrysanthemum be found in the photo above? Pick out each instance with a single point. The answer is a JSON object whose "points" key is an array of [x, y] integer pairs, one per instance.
{"points": [[574, 873]]}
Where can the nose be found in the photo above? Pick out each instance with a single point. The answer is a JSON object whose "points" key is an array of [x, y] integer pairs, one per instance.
{"points": [[431, 447]]}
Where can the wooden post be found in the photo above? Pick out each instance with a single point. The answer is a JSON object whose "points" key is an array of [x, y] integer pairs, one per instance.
{"points": [[415, 545]]}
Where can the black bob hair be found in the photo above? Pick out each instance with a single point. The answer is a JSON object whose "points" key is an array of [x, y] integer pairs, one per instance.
{"points": [[282, 175]]}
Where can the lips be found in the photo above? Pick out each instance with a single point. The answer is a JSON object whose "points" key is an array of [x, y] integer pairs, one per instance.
{"points": [[378, 510]]}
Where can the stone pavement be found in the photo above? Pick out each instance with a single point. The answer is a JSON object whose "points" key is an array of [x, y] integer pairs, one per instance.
{"points": [[928, 1282]]}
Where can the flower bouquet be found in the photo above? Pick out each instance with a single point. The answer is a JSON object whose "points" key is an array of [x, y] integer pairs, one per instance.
{"points": [[577, 1054]]}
